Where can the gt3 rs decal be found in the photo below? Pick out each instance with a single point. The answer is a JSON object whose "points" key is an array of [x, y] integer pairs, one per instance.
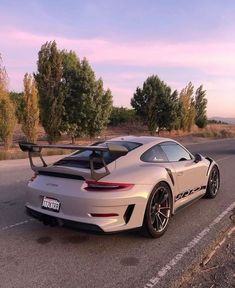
{"points": [[188, 192]]}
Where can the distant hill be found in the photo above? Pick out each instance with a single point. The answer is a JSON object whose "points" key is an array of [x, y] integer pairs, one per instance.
{"points": [[223, 119]]}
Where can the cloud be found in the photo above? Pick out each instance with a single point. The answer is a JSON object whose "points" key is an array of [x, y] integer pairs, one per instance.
{"points": [[207, 56], [209, 62]]}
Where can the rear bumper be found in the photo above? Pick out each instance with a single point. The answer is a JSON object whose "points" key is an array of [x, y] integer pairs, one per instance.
{"points": [[51, 220], [78, 206]]}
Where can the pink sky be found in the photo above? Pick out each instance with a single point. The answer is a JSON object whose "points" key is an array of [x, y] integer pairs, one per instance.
{"points": [[211, 63]]}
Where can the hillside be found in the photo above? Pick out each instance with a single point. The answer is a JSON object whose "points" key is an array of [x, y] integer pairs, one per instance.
{"points": [[223, 119]]}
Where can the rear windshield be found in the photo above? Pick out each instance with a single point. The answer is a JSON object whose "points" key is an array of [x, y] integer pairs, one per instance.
{"points": [[81, 159]]}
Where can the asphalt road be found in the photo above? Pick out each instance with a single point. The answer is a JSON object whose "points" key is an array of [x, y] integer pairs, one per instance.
{"points": [[34, 255]]}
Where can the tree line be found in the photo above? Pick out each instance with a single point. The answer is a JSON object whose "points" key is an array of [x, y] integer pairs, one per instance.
{"points": [[162, 109], [65, 97]]}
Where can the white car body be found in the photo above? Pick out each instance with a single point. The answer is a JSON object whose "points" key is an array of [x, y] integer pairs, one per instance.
{"points": [[123, 208]]}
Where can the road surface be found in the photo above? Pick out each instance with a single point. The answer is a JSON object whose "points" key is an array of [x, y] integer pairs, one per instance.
{"points": [[34, 255]]}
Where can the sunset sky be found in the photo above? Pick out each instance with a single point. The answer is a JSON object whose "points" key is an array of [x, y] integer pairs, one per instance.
{"points": [[126, 41]]}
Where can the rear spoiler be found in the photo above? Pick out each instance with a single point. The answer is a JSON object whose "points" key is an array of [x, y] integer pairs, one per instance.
{"points": [[34, 149]]}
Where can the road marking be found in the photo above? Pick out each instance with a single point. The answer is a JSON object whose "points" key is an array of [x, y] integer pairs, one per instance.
{"points": [[164, 270], [15, 225]]}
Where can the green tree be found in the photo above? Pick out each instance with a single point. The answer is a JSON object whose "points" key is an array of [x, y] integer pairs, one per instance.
{"points": [[176, 110], [99, 110], [87, 104], [187, 106], [200, 106], [30, 118], [73, 116], [50, 89], [7, 109], [172, 111], [155, 104], [18, 99], [121, 115]]}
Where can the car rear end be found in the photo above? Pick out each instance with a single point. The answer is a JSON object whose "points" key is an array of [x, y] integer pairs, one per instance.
{"points": [[65, 193]]}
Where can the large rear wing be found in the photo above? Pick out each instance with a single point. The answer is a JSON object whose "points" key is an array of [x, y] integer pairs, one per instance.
{"points": [[36, 149]]}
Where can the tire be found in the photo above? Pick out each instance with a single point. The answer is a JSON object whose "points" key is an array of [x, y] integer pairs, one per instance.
{"points": [[158, 211], [213, 183]]}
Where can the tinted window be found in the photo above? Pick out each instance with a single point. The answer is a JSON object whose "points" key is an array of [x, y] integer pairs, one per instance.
{"points": [[154, 154], [175, 152], [81, 159]]}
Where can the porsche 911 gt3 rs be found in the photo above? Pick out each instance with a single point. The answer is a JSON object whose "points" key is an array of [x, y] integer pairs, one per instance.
{"points": [[120, 184]]}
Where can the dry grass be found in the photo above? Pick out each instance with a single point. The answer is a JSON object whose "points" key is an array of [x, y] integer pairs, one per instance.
{"points": [[217, 131], [16, 153], [212, 131]]}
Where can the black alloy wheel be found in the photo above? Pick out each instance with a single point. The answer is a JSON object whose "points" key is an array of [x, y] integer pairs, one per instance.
{"points": [[158, 211], [213, 183]]}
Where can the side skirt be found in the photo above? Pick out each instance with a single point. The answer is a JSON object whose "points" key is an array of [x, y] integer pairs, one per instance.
{"points": [[187, 204]]}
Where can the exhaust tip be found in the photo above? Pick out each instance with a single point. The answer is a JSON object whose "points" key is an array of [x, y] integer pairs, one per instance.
{"points": [[50, 221]]}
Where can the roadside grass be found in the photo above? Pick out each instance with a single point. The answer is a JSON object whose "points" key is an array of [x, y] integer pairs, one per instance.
{"points": [[216, 132], [212, 131], [17, 154]]}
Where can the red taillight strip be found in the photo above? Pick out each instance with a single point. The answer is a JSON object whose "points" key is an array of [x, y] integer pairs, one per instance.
{"points": [[104, 186], [104, 214]]}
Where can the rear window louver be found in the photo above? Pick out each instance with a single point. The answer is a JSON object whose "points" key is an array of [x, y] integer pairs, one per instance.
{"points": [[61, 175]]}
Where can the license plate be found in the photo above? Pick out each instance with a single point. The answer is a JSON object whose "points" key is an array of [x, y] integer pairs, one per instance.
{"points": [[50, 204]]}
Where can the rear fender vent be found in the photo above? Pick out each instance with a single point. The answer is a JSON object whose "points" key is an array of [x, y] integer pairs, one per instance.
{"points": [[128, 213]]}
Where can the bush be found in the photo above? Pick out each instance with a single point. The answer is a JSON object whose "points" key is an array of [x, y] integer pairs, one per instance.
{"points": [[222, 133], [201, 122], [226, 133], [121, 115]]}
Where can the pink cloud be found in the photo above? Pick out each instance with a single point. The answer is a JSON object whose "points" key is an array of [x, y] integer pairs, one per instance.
{"points": [[133, 75], [207, 56], [215, 58]]}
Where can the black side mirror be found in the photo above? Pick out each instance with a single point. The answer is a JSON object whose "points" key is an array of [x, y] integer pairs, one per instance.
{"points": [[197, 158]]}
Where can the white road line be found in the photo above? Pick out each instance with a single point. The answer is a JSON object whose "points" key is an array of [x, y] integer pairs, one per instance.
{"points": [[15, 225], [164, 270]]}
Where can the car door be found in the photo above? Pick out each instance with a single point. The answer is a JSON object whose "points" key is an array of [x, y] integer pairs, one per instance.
{"points": [[189, 176]]}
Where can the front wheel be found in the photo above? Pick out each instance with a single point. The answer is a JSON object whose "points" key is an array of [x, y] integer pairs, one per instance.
{"points": [[213, 183], [158, 211]]}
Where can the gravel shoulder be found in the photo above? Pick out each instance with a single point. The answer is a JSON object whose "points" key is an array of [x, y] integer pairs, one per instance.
{"points": [[217, 270]]}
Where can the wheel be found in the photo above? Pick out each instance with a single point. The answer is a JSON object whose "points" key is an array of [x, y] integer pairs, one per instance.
{"points": [[213, 183], [158, 211]]}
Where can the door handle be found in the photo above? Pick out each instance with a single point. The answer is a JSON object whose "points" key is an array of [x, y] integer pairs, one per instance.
{"points": [[180, 174]]}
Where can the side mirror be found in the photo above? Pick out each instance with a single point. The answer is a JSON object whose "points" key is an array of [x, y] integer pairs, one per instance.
{"points": [[197, 158]]}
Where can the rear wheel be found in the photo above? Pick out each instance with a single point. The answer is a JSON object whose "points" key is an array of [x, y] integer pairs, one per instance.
{"points": [[213, 183], [158, 211]]}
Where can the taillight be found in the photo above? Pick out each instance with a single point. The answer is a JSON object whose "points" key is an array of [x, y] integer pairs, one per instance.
{"points": [[107, 186]]}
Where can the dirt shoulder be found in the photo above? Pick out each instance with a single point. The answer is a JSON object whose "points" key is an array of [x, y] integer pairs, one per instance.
{"points": [[217, 270]]}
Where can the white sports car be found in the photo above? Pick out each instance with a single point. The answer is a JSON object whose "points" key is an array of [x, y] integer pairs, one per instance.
{"points": [[120, 184]]}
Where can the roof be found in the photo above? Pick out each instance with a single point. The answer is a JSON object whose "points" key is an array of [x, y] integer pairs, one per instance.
{"points": [[141, 139]]}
